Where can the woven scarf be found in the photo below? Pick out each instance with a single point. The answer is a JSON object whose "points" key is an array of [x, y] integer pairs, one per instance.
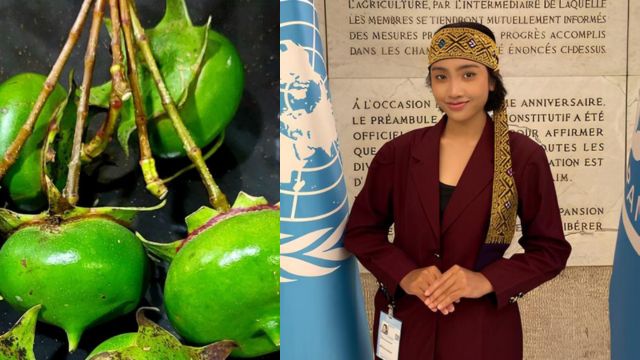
{"points": [[471, 44]]}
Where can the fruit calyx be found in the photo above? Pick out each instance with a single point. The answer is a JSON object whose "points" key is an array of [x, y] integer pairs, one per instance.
{"points": [[154, 342], [223, 216], [11, 221], [204, 218], [17, 343]]}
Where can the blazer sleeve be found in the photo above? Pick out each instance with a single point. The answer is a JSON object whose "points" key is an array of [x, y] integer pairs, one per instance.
{"points": [[366, 234], [546, 249]]}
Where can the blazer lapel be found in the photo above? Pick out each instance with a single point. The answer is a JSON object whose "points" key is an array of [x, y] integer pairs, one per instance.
{"points": [[477, 175], [425, 174]]}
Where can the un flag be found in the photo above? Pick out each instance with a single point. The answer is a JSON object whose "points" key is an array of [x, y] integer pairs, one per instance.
{"points": [[624, 311], [321, 301]]}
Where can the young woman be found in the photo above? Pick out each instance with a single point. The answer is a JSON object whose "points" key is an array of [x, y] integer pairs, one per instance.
{"points": [[453, 192]]}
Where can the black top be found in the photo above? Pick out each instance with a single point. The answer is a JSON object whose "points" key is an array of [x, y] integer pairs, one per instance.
{"points": [[445, 194]]}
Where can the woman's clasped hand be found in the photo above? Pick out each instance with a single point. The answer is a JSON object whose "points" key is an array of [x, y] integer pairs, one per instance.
{"points": [[439, 291]]}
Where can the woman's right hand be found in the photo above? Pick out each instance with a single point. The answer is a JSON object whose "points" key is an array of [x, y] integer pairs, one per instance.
{"points": [[419, 280]]}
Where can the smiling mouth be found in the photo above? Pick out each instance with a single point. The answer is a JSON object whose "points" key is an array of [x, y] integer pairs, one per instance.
{"points": [[457, 105]]}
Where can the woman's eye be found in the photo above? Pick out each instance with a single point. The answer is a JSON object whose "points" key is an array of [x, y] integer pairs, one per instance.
{"points": [[439, 77], [469, 75]]}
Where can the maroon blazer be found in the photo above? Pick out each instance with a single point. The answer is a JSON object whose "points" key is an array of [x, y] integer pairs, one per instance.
{"points": [[402, 188]]}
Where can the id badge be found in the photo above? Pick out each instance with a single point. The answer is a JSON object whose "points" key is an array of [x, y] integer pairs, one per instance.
{"points": [[388, 337]]}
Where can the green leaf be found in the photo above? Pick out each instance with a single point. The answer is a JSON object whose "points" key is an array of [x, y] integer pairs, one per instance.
{"points": [[200, 217], [154, 342], [245, 200], [100, 95], [64, 143], [163, 251], [127, 124], [18, 342], [121, 214], [57, 146], [178, 47]]}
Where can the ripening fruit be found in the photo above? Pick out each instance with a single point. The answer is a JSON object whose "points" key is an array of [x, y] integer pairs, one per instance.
{"points": [[223, 282], [211, 102], [17, 97], [83, 271]]}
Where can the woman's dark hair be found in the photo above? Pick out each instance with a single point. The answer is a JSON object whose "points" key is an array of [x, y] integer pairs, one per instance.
{"points": [[497, 96]]}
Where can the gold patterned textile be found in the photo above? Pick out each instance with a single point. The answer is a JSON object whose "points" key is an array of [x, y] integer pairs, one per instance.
{"points": [[471, 44], [504, 198], [465, 43]]}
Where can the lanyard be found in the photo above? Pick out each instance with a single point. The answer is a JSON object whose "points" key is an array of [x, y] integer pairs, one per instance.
{"points": [[391, 301]]}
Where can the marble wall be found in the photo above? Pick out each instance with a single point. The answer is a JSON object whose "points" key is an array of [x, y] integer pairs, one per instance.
{"points": [[571, 68]]}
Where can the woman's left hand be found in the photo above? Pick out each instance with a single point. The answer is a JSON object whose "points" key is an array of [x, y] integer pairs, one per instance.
{"points": [[454, 284]]}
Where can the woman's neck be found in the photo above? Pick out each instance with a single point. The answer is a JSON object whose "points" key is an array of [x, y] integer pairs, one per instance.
{"points": [[469, 130]]}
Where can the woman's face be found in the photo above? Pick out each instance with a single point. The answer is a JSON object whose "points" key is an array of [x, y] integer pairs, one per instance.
{"points": [[461, 88]]}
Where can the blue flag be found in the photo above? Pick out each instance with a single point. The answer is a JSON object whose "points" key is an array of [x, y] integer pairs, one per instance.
{"points": [[322, 308], [624, 311]]}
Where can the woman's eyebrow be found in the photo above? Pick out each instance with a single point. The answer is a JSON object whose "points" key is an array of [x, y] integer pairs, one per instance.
{"points": [[461, 67], [467, 66]]}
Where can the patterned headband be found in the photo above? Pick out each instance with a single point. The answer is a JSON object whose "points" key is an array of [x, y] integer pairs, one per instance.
{"points": [[465, 43]]}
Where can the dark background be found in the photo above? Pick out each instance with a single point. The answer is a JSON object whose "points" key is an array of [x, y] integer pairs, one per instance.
{"points": [[32, 34]]}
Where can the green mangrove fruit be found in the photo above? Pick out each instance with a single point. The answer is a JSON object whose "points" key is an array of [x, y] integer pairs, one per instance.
{"points": [[223, 280]]}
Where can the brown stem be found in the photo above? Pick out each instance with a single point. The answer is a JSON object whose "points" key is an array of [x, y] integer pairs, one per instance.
{"points": [[100, 141], [120, 90], [120, 84], [71, 190], [12, 153], [154, 184], [217, 199]]}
